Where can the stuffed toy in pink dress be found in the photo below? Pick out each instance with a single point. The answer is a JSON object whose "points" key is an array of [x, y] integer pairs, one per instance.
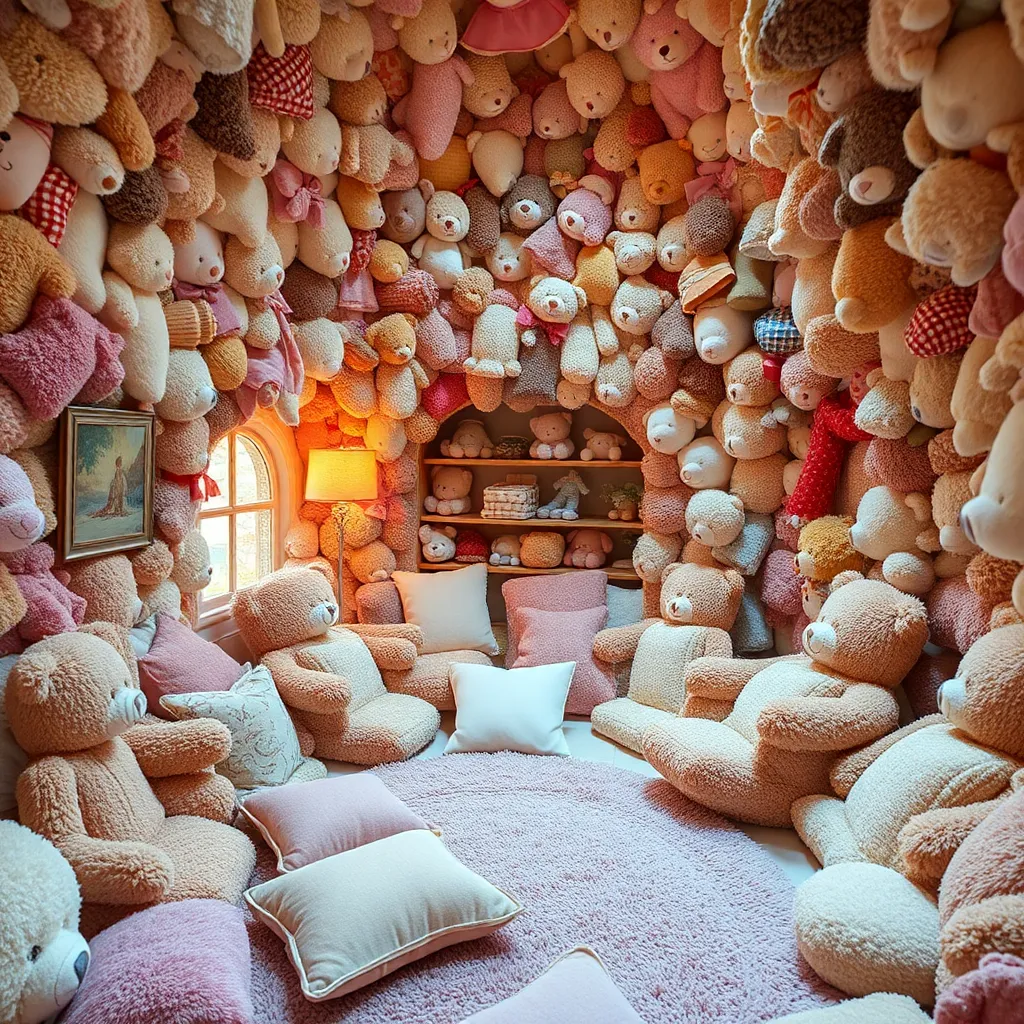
{"points": [[515, 26]]}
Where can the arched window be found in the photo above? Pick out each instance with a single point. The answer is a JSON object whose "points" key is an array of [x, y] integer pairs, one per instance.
{"points": [[239, 523]]}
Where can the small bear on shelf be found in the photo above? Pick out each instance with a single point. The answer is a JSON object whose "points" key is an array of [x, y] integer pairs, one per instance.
{"points": [[505, 550], [438, 543], [587, 549], [451, 487], [602, 445], [468, 441], [625, 502], [552, 433], [566, 501]]}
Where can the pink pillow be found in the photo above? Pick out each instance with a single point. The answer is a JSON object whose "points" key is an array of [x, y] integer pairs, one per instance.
{"points": [[546, 638], [176, 963], [309, 821], [181, 661], [565, 592]]}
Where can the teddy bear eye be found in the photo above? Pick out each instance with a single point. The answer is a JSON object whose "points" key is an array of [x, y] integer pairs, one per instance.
{"points": [[5, 137], [39, 58], [34, 953], [201, 258]]}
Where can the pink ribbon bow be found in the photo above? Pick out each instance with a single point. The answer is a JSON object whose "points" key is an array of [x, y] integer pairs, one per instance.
{"points": [[296, 195], [224, 313], [556, 332], [715, 177]]}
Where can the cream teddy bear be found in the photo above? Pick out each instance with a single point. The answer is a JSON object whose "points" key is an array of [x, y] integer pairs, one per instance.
{"points": [[440, 250]]}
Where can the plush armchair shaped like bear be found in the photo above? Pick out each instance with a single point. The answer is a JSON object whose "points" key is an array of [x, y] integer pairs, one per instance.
{"points": [[74, 710]]}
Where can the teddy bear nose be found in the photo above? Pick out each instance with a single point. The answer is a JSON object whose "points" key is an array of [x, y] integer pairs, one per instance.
{"points": [[109, 182], [524, 207], [449, 223], [508, 268], [552, 303], [497, 101], [663, 50], [607, 36], [214, 271], [590, 106], [81, 964]]}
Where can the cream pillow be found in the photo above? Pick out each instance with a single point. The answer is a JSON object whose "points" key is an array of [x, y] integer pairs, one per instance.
{"points": [[264, 744], [517, 709], [353, 918], [450, 608]]}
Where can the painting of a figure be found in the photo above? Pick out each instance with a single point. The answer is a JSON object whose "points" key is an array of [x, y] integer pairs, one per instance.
{"points": [[108, 476]]}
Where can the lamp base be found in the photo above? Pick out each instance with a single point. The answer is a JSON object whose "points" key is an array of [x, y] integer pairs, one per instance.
{"points": [[338, 515]]}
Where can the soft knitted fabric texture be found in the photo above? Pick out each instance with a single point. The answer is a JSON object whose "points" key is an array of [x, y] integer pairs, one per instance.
{"points": [[131, 979], [692, 920]]}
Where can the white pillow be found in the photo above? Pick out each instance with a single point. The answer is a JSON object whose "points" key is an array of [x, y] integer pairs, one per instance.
{"points": [[517, 709], [264, 744], [450, 608]]}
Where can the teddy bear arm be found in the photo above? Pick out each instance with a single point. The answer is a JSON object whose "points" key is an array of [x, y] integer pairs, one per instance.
{"points": [[119, 307], [124, 127], [927, 842], [394, 648], [202, 794], [822, 824], [723, 678], [108, 871], [307, 689], [619, 643], [676, 124], [849, 768], [178, 748], [57, 279], [993, 925], [863, 713], [710, 95]]}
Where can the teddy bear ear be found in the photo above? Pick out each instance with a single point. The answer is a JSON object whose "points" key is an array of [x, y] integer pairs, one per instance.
{"points": [[116, 636], [589, 432], [322, 569], [600, 186], [920, 505], [908, 611], [410, 319], [581, 296], [536, 280], [737, 501], [426, 187], [450, 531], [424, 534], [735, 580], [832, 144], [31, 676], [666, 298], [472, 139], [567, 416], [848, 576], [669, 569], [570, 535], [895, 238]]}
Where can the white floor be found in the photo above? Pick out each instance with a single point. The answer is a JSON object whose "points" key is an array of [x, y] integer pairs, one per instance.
{"points": [[782, 845]]}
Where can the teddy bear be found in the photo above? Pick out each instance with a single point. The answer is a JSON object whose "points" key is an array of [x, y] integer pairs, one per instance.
{"points": [[399, 377], [509, 261], [585, 213], [498, 158], [406, 212], [330, 676], [46, 605], [45, 957], [668, 431], [586, 549], [609, 25], [825, 550], [439, 251], [896, 818], [437, 543], [29, 265], [745, 432], [22, 523], [705, 463], [896, 530], [527, 205], [451, 486], [74, 707], [469, 440], [495, 343], [551, 436], [505, 550], [698, 605], [721, 333], [554, 116], [714, 518], [367, 148], [773, 745], [594, 83], [638, 304], [665, 168], [602, 445]]}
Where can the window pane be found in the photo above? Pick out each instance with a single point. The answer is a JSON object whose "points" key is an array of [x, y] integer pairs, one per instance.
{"points": [[215, 530], [219, 471], [252, 476], [253, 546]]}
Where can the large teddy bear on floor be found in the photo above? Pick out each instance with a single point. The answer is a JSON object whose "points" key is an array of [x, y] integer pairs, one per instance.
{"points": [[330, 677], [75, 709], [698, 606], [790, 717], [869, 922]]}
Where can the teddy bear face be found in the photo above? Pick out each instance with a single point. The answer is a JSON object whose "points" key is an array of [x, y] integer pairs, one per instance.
{"points": [[721, 333], [254, 273], [638, 304], [555, 301], [554, 117], [182, 448], [714, 518], [602, 444], [742, 433], [709, 136], [663, 41], [267, 140], [868, 630], [70, 692], [745, 382], [108, 586], [21, 521], [699, 595], [498, 158], [200, 261], [608, 23], [431, 36], [192, 569], [438, 544], [931, 389], [315, 145], [471, 290], [529, 203], [985, 699], [302, 540], [393, 337], [24, 155], [492, 89], [705, 463], [405, 215], [951, 492], [665, 169], [633, 210], [889, 521], [585, 215], [143, 256], [667, 430], [587, 549], [286, 608], [190, 392], [843, 81], [360, 103], [634, 251], [594, 82], [551, 427], [447, 217], [448, 483], [825, 549], [508, 261], [802, 384], [343, 49]]}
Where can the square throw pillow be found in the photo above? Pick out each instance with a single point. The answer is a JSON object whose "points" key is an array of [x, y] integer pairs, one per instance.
{"points": [[356, 917], [565, 592], [264, 744], [625, 606], [185, 962], [314, 820], [575, 989], [180, 661], [549, 637], [517, 709], [450, 608]]}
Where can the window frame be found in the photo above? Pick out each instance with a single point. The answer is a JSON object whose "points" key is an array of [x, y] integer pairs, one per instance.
{"points": [[218, 608]]}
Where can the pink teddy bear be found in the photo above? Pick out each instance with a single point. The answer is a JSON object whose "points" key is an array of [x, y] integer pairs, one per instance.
{"points": [[52, 608], [587, 549], [687, 78]]}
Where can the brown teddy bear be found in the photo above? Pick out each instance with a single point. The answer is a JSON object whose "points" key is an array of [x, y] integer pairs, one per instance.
{"points": [[699, 604], [29, 265], [74, 708], [330, 677], [783, 733]]}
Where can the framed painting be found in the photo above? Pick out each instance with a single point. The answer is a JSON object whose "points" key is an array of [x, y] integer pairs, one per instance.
{"points": [[106, 481]]}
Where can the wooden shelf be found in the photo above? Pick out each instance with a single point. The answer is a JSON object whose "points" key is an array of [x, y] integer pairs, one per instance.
{"points": [[538, 463], [522, 570], [535, 521]]}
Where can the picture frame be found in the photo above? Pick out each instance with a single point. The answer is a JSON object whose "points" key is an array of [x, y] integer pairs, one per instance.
{"points": [[107, 472]]}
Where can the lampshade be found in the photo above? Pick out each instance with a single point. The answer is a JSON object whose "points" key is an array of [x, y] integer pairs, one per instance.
{"points": [[341, 474]]}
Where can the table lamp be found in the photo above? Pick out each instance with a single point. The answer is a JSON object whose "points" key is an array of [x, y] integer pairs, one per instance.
{"points": [[340, 475]]}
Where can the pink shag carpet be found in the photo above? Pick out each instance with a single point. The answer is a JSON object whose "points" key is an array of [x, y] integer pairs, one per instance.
{"points": [[692, 919]]}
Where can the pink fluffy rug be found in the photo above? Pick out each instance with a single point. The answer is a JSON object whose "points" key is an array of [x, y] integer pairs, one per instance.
{"points": [[693, 920]]}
